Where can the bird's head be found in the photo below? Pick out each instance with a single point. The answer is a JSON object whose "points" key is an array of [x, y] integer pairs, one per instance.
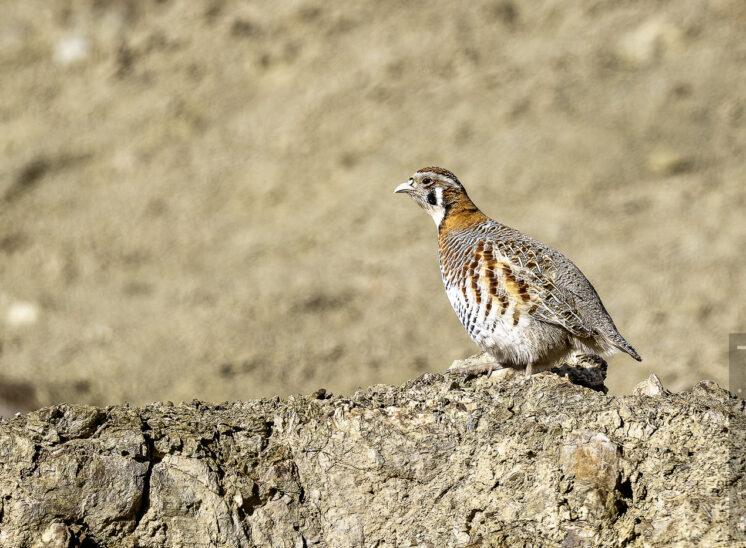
{"points": [[435, 190]]}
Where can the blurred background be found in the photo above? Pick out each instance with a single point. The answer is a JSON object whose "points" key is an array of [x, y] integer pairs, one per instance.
{"points": [[196, 196]]}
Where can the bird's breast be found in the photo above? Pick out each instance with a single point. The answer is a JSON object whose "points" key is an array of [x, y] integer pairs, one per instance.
{"points": [[486, 292]]}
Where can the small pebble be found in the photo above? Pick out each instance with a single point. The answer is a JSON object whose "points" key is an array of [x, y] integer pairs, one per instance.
{"points": [[71, 49], [21, 314]]}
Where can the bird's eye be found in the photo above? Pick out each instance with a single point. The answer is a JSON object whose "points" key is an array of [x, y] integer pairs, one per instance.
{"points": [[427, 182]]}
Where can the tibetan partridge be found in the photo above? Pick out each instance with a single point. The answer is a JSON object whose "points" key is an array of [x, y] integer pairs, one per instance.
{"points": [[525, 304]]}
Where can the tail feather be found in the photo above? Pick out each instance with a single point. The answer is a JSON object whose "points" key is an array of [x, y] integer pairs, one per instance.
{"points": [[624, 346]]}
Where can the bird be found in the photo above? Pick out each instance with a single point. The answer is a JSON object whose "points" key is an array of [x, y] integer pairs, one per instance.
{"points": [[522, 302]]}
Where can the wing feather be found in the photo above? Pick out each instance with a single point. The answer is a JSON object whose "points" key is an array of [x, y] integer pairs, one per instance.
{"points": [[533, 270]]}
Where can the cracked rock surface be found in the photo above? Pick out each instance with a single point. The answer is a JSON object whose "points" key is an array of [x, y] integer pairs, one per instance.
{"points": [[436, 462]]}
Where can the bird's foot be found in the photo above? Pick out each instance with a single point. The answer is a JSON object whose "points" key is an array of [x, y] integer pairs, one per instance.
{"points": [[474, 370], [479, 364]]}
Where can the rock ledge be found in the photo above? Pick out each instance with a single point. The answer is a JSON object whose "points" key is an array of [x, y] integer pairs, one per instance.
{"points": [[436, 462]]}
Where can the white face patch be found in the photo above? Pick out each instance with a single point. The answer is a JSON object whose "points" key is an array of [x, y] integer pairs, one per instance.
{"points": [[438, 211], [429, 195]]}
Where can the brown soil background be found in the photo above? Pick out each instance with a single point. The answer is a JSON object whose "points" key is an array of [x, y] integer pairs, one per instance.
{"points": [[196, 197]]}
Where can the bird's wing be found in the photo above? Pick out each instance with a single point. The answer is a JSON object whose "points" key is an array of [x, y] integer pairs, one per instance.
{"points": [[528, 275]]}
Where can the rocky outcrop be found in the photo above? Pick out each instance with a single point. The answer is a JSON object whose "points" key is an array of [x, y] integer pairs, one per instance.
{"points": [[439, 461]]}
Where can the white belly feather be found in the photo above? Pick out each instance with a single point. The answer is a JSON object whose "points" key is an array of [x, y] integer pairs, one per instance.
{"points": [[495, 332]]}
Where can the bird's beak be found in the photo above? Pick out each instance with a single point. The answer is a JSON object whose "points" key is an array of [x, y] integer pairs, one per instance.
{"points": [[404, 187]]}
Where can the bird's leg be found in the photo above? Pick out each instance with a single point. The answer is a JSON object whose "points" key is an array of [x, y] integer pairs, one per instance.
{"points": [[529, 369], [479, 364]]}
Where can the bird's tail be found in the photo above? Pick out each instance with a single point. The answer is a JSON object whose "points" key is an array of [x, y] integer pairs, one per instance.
{"points": [[621, 343]]}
